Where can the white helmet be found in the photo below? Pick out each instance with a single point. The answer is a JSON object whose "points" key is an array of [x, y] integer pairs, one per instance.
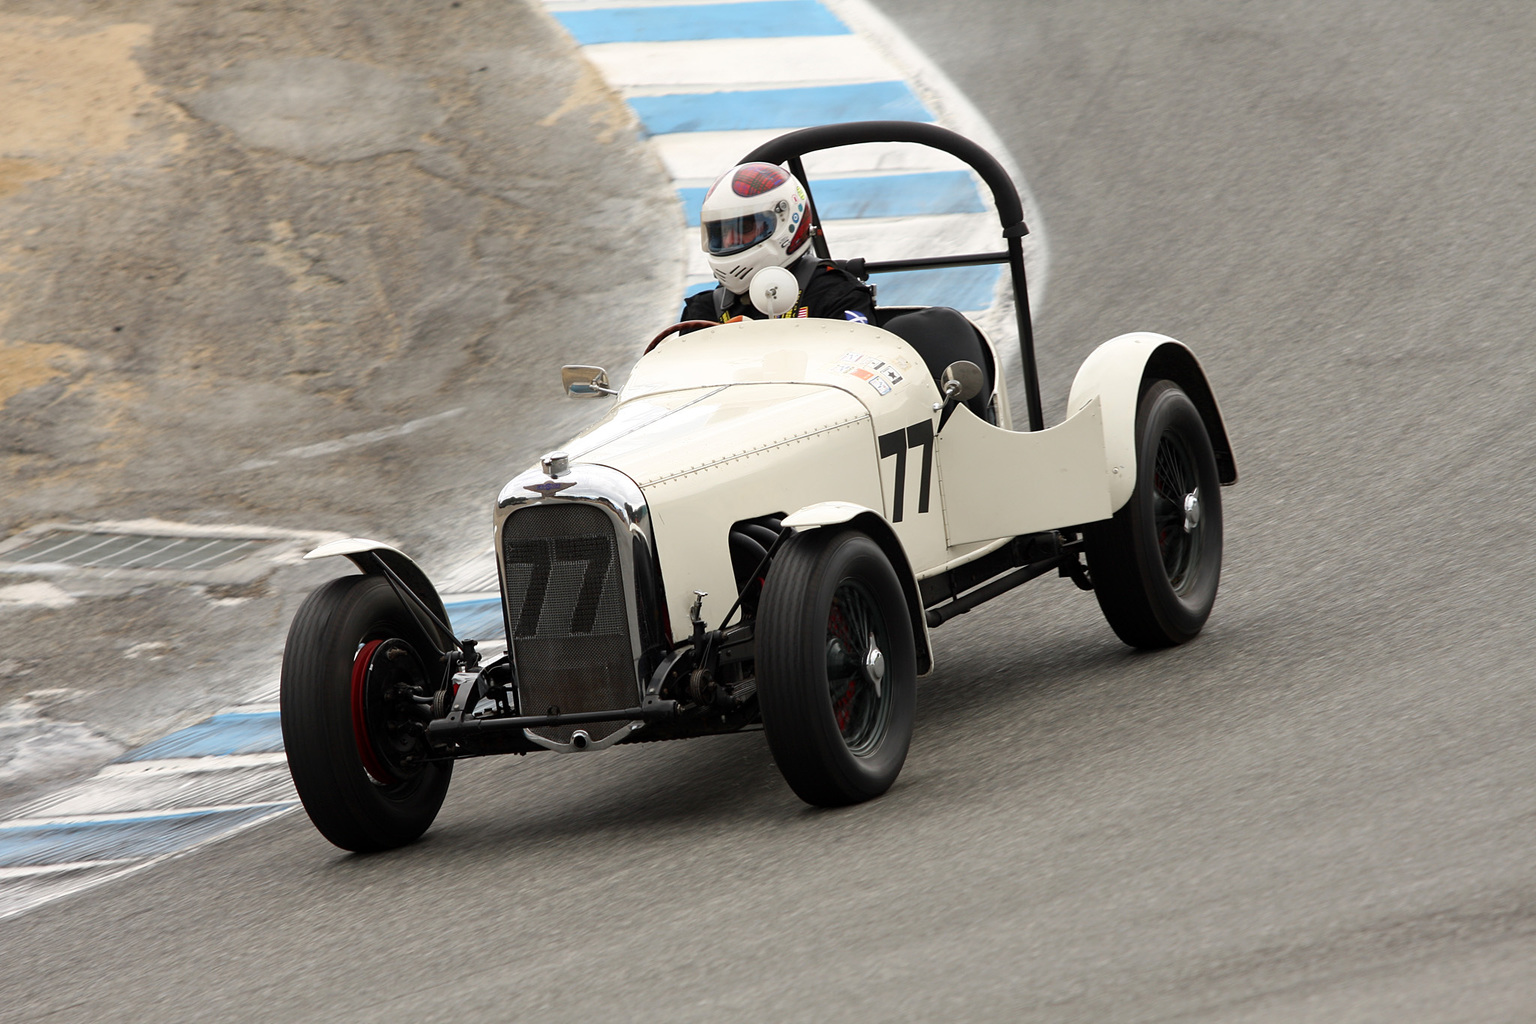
{"points": [[754, 216]]}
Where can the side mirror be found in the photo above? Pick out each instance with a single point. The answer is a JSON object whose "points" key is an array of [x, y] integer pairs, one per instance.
{"points": [[962, 381], [773, 291], [585, 381]]}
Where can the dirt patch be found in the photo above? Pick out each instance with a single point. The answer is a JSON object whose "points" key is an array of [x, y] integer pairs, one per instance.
{"points": [[69, 91], [14, 174], [321, 108], [591, 94], [25, 366]]}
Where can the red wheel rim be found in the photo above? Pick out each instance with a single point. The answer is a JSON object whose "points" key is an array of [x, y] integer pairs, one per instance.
{"points": [[371, 762]]}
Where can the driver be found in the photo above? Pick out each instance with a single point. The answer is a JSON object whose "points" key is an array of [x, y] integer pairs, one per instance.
{"points": [[757, 215]]}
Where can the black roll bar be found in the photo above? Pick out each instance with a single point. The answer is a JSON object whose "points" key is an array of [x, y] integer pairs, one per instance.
{"points": [[789, 148]]}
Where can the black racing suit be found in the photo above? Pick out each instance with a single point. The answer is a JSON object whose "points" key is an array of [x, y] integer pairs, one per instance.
{"points": [[828, 291]]}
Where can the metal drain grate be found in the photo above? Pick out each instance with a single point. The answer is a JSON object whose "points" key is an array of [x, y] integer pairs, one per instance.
{"points": [[133, 550]]}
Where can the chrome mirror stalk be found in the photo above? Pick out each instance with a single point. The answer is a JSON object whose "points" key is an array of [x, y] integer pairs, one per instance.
{"points": [[961, 382], [586, 381]]}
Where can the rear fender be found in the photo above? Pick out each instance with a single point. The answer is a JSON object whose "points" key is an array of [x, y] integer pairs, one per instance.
{"points": [[1118, 372], [873, 525], [366, 555]]}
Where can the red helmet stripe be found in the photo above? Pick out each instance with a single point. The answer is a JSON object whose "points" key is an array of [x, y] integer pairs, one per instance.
{"points": [[800, 233]]}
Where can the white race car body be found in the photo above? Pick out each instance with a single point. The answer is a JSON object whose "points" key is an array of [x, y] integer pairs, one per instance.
{"points": [[786, 417]]}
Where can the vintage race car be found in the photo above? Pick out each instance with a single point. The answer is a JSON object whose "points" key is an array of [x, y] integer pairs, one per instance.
{"points": [[761, 533]]}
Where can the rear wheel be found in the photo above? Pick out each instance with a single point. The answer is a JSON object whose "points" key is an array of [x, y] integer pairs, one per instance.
{"points": [[1156, 564], [356, 671], [836, 667]]}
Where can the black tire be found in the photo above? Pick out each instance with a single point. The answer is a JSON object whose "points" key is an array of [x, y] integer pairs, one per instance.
{"points": [[363, 793], [1154, 572], [827, 591]]}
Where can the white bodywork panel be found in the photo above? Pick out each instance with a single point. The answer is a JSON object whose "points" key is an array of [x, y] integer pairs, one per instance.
{"points": [[1001, 483], [736, 453], [1112, 374], [770, 416], [773, 351]]}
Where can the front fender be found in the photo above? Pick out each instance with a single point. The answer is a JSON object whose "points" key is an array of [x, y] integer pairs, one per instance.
{"points": [[366, 555], [1117, 372], [873, 524]]}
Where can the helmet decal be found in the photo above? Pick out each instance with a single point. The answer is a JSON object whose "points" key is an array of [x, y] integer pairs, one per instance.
{"points": [[799, 237], [755, 179]]}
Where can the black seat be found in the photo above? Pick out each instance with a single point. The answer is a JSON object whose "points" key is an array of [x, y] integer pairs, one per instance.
{"points": [[942, 336]]}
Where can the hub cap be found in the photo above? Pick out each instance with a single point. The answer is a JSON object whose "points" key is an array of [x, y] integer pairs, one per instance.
{"points": [[856, 668], [874, 665]]}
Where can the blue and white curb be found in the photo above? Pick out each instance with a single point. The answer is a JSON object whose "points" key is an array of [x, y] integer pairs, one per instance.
{"points": [[707, 82]]}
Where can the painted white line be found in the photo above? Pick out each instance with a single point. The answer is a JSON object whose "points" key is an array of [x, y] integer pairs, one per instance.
{"points": [[131, 817], [252, 708], [247, 785], [22, 893], [312, 451], [182, 765], [709, 65], [473, 595], [40, 870], [19, 898]]}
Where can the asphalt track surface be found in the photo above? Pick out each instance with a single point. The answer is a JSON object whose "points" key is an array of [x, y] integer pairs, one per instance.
{"points": [[1318, 810]]}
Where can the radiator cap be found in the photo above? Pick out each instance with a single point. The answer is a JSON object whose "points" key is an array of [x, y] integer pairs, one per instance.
{"points": [[556, 463]]}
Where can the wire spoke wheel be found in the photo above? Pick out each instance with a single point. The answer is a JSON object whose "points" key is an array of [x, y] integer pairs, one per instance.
{"points": [[1156, 565], [856, 641], [836, 667], [1176, 495]]}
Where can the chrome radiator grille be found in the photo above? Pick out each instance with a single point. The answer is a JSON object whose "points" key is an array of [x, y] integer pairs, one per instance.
{"points": [[567, 619]]}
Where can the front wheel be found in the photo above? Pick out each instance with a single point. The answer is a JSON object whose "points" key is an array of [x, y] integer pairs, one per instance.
{"points": [[836, 667], [1156, 564], [357, 682]]}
